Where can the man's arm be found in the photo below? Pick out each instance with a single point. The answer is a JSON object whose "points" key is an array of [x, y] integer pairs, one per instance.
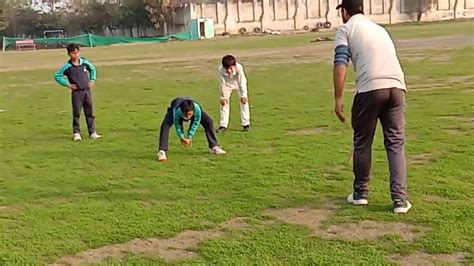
{"points": [[242, 82], [59, 76], [196, 122], [342, 56], [177, 125], [92, 70], [339, 75], [341, 59]]}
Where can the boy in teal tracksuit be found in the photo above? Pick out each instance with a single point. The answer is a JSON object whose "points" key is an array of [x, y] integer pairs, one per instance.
{"points": [[81, 75], [185, 109]]}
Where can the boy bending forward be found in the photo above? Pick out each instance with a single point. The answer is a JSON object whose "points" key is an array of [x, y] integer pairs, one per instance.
{"points": [[184, 109], [232, 77]]}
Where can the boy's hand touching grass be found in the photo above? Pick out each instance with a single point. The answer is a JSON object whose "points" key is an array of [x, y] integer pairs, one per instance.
{"points": [[186, 142]]}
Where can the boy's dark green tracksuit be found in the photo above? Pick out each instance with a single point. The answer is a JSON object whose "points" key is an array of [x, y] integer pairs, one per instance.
{"points": [[79, 75]]}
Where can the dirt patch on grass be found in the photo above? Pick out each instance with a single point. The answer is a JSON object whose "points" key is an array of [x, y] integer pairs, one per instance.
{"points": [[442, 58], [296, 53], [422, 258], [311, 218], [468, 120], [283, 52], [8, 209], [460, 79], [434, 42], [337, 171], [421, 159], [235, 224], [266, 222], [410, 58], [267, 150], [462, 119], [332, 203], [428, 87], [308, 131], [140, 70], [418, 83], [363, 230], [368, 230], [453, 131], [173, 249], [434, 199], [341, 167]]}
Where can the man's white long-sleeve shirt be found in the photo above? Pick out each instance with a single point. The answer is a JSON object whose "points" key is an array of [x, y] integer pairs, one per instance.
{"points": [[373, 54], [234, 81]]}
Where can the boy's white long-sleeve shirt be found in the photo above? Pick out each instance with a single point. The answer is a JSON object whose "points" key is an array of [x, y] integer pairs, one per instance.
{"points": [[237, 80]]}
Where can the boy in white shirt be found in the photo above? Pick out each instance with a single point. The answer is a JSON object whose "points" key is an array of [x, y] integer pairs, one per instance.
{"points": [[232, 77]]}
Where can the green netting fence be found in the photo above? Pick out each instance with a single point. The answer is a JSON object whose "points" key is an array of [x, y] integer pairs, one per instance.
{"points": [[91, 40]]}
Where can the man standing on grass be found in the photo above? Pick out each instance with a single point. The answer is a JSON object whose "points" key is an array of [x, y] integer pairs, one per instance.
{"points": [[380, 95]]}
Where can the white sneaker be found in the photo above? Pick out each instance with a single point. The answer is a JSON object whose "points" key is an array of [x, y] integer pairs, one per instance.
{"points": [[95, 136], [217, 150], [357, 199], [161, 156], [401, 207], [76, 137]]}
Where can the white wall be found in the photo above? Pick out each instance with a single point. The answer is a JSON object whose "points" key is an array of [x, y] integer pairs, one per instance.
{"points": [[295, 14]]}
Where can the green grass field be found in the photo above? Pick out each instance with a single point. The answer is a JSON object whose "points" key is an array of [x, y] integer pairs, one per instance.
{"points": [[281, 188]]}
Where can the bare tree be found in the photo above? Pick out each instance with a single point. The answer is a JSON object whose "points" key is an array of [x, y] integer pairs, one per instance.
{"points": [[161, 13], [419, 7], [3, 20]]}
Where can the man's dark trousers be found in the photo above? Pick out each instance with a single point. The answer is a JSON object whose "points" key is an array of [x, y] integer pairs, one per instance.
{"points": [[388, 106]]}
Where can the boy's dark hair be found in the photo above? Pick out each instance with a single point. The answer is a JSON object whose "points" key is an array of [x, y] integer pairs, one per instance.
{"points": [[72, 47], [228, 61], [186, 106]]}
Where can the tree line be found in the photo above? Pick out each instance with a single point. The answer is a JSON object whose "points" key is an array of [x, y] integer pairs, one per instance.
{"points": [[133, 16]]}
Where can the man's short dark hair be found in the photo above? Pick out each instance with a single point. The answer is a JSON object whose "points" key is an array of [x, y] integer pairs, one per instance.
{"points": [[72, 47], [228, 61], [186, 106], [353, 7]]}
